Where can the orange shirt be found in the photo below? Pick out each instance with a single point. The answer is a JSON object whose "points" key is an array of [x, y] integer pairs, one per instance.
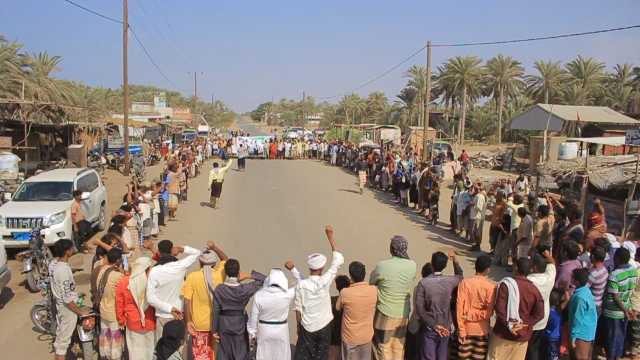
{"points": [[174, 183], [476, 299], [358, 304]]}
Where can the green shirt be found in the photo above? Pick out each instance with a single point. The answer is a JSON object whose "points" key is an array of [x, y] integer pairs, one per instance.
{"points": [[622, 281], [394, 279]]}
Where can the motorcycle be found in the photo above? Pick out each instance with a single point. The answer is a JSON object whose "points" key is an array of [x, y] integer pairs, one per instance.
{"points": [[137, 165], [35, 261], [97, 162], [43, 317]]}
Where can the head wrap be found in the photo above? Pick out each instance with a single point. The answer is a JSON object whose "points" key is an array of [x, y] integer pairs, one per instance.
{"points": [[208, 258], [316, 261], [613, 240], [278, 278], [399, 247], [173, 334], [629, 245], [138, 284]]}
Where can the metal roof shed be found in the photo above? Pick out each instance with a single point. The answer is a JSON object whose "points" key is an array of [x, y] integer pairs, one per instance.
{"points": [[557, 115]]}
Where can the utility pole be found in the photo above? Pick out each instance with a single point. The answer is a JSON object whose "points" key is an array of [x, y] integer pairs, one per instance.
{"points": [[425, 151], [304, 99], [195, 96], [125, 82], [26, 133]]}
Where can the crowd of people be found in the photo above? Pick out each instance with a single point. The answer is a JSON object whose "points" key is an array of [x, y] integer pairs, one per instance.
{"points": [[571, 292]]}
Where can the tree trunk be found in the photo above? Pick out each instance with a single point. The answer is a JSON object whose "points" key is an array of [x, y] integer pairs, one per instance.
{"points": [[546, 96], [463, 116], [500, 107]]}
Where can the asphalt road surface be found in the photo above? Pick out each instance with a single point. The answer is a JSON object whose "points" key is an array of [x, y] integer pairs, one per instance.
{"points": [[272, 212], [246, 124]]}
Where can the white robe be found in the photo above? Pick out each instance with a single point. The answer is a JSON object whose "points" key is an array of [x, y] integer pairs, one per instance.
{"points": [[272, 303]]}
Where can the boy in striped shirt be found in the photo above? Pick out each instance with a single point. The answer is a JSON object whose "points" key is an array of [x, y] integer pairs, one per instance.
{"points": [[598, 276], [616, 307]]}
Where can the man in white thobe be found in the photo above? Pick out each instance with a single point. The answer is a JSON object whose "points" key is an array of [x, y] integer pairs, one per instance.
{"points": [[313, 304], [267, 323]]}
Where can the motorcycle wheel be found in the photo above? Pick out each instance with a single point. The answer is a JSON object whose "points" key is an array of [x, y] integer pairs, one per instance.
{"points": [[41, 319], [87, 350], [31, 282]]}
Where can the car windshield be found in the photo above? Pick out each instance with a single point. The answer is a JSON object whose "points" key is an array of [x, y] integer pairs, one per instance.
{"points": [[44, 191]]}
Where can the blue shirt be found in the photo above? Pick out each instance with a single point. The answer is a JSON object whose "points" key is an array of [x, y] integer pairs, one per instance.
{"points": [[583, 316], [165, 193], [553, 325]]}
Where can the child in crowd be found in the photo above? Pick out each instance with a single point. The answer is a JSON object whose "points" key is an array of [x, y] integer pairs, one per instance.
{"points": [[552, 332]]}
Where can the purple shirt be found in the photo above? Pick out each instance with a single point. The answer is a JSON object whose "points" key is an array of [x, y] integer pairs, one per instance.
{"points": [[565, 272]]}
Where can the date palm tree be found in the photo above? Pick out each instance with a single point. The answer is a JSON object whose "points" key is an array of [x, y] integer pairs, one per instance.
{"points": [[587, 74], [463, 74], [11, 72], [548, 85], [376, 105], [360, 108], [418, 80], [504, 79], [619, 92], [408, 97]]}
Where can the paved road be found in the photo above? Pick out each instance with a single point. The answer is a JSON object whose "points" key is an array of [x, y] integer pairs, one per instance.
{"points": [[246, 124], [274, 211]]}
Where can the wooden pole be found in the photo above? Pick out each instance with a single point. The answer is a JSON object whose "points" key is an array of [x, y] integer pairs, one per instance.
{"points": [[26, 134], [585, 188], [125, 82], [632, 190], [425, 151]]}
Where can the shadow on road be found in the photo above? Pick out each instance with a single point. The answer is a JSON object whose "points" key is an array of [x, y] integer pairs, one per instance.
{"points": [[439, 233], [350, 191]]}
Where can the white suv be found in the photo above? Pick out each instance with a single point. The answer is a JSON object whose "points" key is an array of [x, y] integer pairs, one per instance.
{"points": [[45, 200]]}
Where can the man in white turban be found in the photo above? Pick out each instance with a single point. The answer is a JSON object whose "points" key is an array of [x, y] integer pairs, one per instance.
{"points": [[313, 304]]}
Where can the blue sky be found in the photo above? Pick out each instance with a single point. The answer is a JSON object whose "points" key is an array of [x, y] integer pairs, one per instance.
{"points": [[251, 51]]}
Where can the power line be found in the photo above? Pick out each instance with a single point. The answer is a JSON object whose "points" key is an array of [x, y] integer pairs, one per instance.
{"points": [[106, 17], [538, 38], [148, 15], [385, 73], [561, 36], [135, 36], [144, 49]]}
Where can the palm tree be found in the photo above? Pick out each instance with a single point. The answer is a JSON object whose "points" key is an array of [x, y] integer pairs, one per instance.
{"points": [[360, 108], [504, 79], [408, 97], [575, 94], [463, 74], [418, 79], [548, 85], [587, 74], [619, 92], [623, 75], [376, 104], [11, 72], [352, 105]]}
